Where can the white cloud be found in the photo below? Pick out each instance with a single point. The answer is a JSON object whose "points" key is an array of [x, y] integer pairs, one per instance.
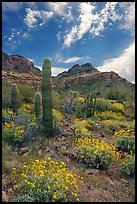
{"points": [[61, 9], [86, 18], [128, 22], [95, 22], [106, 14], [56, 70], [124, 64], [31, 18], [72, 59]]}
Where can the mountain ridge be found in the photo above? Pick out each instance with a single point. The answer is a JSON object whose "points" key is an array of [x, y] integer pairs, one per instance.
{"points": [[83, 77]]}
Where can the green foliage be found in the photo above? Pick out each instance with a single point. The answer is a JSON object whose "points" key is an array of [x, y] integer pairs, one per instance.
{"points": [[26, 93], [90, 105], [14, 102], [6, 94], [93, 158], [8, 136], [115, 93], [126, 143], [44, 181], [47, 102], [127, 166], [37, 104]]}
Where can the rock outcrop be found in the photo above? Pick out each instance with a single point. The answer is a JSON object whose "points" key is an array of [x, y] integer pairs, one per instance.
{"points": [[16, 63]]}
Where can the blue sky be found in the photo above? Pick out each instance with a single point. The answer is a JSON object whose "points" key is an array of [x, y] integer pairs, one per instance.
{"points": [[100, 33]]}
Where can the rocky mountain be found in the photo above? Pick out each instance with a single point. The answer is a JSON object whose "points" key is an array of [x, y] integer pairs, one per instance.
{"points": [[16, 63], [78, 70], [83, 78]]}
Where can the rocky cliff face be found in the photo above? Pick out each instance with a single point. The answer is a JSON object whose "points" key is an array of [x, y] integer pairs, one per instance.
{"points": [[20, 70], [78, 70], [16, 63]]}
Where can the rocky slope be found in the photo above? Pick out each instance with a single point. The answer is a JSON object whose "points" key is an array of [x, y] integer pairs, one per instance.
{"points": [[16, 63], [83, 78]]}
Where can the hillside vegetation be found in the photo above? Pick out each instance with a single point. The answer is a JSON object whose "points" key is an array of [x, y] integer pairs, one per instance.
{"points": [[88, 157]]}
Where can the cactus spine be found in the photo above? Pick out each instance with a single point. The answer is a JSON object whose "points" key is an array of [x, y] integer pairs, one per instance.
{"points": [[37, 104], [90, 105], [14, 102], [47, 102]]}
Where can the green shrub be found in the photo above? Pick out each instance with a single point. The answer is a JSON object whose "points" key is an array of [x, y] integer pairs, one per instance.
{"points": [[126, 143], [127, 166], [93, 158], [12, 134], [44, 181], [26, 93]]}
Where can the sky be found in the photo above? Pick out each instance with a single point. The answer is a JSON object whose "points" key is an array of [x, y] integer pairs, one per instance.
{"points": [[100, 33]]}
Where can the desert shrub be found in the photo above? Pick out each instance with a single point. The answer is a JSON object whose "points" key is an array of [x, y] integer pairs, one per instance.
{"points": [[82, 128], [12, 134], [24, 118], [94, 153], [7, 114], [109, 115], [116, 94], [7, 162], [26, 93], [126, 143], [123, 132], [127, 166], [103, 105], [6, 96], [92, 123], [112, 125], [45, 181]]}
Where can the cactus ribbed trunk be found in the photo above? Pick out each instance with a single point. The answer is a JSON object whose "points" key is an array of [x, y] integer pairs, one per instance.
{"points": [[14, 102], [37, 104], [47, 102]]}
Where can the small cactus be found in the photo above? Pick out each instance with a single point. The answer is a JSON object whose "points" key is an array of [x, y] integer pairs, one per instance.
{"points": [[14, 102], [90, 105], [37, 104], [47, 102]]}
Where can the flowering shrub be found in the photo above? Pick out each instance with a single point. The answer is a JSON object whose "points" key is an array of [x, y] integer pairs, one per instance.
{"points": [[109, 115], [119, 106], [123, 132], [95, 153], [45, 181], [58, 118], [127, 166], [27, 108], [82, 128], [83, 123], [126, 143], [7, 114], [111, 124], [12, 133]]}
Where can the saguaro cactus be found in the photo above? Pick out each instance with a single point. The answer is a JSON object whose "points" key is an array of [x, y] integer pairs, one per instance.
{"points": [[37, 104], [47, 102], [14, 102]]}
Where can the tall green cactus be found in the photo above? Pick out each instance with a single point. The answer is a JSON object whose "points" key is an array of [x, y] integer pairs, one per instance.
{"points": [[90, 105], [37, 100], [14, 101], [47, 102]]}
